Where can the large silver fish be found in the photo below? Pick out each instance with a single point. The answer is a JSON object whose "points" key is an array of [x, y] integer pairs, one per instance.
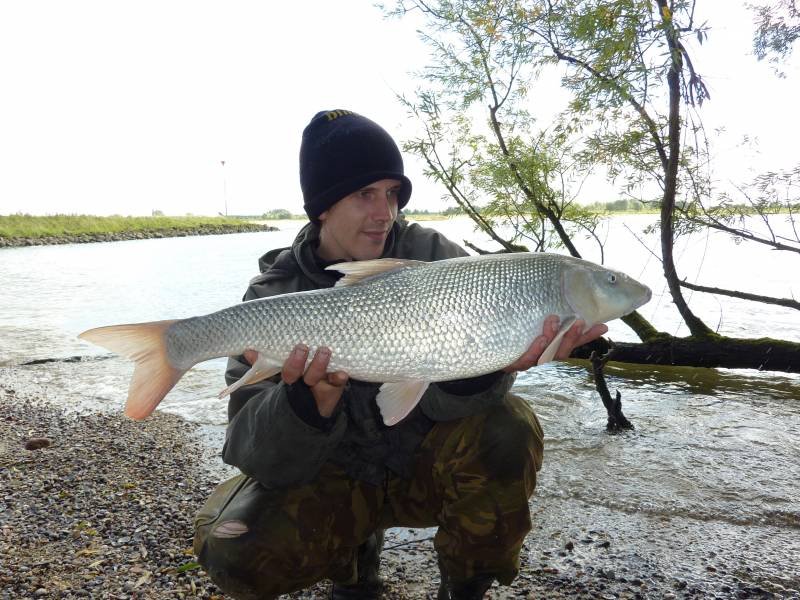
{"points": [[404, 323]]}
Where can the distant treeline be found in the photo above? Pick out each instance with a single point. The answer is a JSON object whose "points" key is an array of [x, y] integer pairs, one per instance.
{"points": [[624, 205], [283, 213], [447, 212], [600, 207], [726, 208], [614, 206]]}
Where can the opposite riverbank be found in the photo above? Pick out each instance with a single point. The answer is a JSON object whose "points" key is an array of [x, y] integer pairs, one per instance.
{"points": [[27, 230]]}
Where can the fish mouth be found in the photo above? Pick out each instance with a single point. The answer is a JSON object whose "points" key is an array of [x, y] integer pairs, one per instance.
{"points": [[646, 297]]}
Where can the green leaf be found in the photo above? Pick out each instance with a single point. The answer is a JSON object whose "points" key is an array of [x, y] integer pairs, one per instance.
{"points": [[189, 566]]}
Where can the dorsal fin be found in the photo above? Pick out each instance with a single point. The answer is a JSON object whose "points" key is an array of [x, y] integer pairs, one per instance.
{"points": [[359, 270]]}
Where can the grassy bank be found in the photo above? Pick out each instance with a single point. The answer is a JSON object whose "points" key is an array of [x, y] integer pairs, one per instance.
{"points": [[28, 226]]}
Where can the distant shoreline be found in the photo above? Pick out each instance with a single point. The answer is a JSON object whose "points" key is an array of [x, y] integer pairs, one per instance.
{"points": [[21, 230], [117, 236]]}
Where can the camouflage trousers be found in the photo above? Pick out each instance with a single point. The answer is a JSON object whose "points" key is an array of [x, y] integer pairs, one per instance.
{"points": [[472, 479]]}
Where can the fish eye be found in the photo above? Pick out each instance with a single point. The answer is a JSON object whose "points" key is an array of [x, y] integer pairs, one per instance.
{"points": [[612, 279]]}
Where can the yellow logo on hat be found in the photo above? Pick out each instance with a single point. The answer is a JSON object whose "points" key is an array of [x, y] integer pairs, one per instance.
{"points": [[335, 114]]}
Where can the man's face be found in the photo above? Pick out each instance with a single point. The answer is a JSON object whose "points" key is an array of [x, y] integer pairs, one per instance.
{"points": [[355, 228]]}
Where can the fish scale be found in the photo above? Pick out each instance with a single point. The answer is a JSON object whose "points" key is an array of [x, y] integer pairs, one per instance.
{"points": [[389, 321]]}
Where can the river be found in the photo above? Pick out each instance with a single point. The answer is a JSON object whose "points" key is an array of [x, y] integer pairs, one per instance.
{"points": [[703, 492]]}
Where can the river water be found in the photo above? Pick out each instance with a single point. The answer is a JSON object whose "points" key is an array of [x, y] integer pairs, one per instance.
{"points": [[703, 494]]}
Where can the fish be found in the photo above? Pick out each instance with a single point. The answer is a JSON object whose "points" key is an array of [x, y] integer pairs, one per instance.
{"points": [[402, 323]]}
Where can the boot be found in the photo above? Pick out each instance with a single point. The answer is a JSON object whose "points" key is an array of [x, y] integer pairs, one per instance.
{"points": [[369, 584], [471, 589]]}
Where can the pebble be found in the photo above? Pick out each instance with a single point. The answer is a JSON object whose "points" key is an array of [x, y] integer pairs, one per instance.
{"points": [[37, 443]]}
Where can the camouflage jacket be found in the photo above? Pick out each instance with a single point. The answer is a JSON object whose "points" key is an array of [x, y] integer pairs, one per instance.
{"points": [[273, 441]]}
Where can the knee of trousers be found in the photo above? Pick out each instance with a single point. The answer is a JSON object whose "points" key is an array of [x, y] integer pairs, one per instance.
{"points": [[265, 542], [264, 564], [228, 563], [512, 441]]}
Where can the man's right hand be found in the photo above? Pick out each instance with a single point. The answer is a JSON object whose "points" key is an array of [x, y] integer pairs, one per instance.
{"points": [[327, 388]]}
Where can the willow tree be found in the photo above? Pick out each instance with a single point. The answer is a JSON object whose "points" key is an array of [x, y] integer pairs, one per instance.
{"points": [[634, 97]]}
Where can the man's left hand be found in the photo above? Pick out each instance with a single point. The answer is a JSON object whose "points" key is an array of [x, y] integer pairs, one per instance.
{"points": [[571, 340]]}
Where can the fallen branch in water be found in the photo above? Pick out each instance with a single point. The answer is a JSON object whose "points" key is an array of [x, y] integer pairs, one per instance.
{"points": [[616, 420], [711, 352]]}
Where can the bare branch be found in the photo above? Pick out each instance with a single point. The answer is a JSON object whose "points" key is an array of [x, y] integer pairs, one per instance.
{"points": [[714, 223], [743, 295]]}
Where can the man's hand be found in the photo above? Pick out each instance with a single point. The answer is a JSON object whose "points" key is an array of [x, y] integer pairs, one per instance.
{"points": [[327, 388], [571, 340]]}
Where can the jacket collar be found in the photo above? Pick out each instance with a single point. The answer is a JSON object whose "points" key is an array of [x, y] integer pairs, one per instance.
{"points": [[301, 256]]}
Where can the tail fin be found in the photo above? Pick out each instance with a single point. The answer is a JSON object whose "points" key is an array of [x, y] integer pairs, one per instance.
{"points": [[153, 376]]}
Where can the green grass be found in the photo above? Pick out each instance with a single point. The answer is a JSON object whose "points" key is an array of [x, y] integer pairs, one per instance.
{"points": [[27, 226]]}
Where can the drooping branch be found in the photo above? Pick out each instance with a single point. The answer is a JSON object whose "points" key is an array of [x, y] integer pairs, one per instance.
{"points": [[452, 187], [497, 103], [429, 152], [777, 30], [545, 210], [648, 121], [695, 84], [715, 223]]}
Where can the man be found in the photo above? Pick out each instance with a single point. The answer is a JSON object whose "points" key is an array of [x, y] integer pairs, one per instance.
{"points": [[322, 476]]}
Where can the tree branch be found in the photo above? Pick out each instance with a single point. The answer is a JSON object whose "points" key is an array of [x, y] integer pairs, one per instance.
{"points": [[695, 325], [714, 223], [743, 295], [616, 420]]}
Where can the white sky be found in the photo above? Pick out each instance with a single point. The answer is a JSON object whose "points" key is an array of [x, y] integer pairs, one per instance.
{"points": [[110, 107]]}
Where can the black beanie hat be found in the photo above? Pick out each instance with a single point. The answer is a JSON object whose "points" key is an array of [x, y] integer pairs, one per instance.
{"points": [[342, 152]]}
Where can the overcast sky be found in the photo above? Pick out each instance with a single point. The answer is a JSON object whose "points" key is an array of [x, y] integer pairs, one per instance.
{"points": [[110, 107]]}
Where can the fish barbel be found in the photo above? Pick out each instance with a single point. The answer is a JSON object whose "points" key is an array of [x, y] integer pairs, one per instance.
{"points": [[403, 323]]}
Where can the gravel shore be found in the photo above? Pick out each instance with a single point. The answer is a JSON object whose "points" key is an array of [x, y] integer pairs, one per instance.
{"points": [[103, 509]]}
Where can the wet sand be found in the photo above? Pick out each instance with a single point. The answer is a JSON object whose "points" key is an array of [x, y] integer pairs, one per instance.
{"points": [[105, 511]]}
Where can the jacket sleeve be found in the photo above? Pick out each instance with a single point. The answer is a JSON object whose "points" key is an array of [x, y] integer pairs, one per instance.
{"points": [[450, 400], [267, 440]]}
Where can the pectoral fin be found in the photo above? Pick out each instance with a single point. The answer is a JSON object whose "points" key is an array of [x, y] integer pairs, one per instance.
{"points": [[552, 348], [261, 370], [397, 399]]}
